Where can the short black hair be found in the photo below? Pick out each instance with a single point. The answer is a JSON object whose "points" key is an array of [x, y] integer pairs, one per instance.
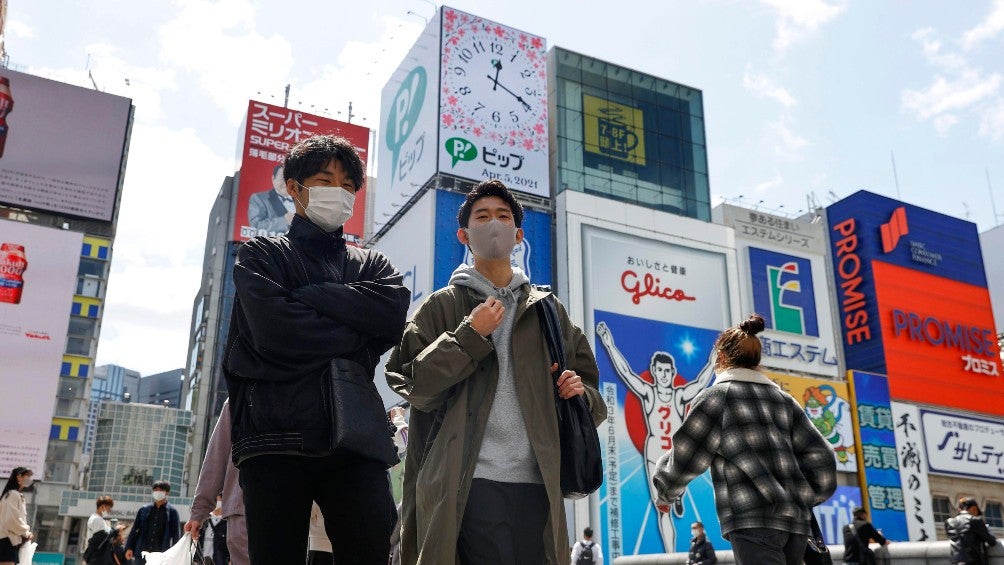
{"points": [[484, 190], [662, 357], [858, 511], [309, 156], [162, 485], [967, 502], [588, 532]]}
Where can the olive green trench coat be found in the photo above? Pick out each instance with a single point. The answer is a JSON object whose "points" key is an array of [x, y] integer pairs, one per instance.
{"points": [[449, 374]]}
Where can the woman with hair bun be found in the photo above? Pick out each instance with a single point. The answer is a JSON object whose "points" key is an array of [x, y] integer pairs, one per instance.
{"points": [[769, 464]]}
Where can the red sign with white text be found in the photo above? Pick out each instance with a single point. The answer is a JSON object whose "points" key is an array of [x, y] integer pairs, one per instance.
{"points": [[263, 207], [939, 340]]}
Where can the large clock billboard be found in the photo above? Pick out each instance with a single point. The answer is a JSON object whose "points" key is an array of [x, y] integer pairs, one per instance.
{"points": [[913, 302], [493, 103]]}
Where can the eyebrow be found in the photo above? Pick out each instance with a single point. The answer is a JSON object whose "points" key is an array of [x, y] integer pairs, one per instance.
{"points": [[490, 209]]}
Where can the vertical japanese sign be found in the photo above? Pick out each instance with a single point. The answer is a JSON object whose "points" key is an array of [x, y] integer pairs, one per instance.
{"points": [[913, 472], [263, 205], [650, 370], [964, 446], [879, 463]]}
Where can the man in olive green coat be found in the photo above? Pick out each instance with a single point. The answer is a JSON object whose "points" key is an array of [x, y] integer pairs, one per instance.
{"points": [[482, 484]]}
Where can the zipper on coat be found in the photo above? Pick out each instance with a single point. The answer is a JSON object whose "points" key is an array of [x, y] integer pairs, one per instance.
{"points": [[251, 395]]}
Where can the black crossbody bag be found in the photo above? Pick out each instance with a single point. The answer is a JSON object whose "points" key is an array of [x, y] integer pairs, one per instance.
{"points": [[581, 462]]}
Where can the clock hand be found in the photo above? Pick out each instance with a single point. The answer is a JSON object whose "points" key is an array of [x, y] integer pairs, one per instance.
{"points": [[516, 96], [498, 67]]}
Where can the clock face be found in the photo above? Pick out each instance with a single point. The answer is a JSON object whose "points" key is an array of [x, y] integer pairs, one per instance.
{"points": [[494, 84]]}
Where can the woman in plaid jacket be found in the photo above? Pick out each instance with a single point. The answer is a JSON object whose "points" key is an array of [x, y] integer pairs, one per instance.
{"points": [[769, 464]]}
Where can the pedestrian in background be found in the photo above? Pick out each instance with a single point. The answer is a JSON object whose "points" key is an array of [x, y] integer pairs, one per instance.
{"points": [[99, 520], [157, 526], [586, 551], [969, 535], [701, 551], [219, 475], [857, 535], [769, 464], [14, 527]]}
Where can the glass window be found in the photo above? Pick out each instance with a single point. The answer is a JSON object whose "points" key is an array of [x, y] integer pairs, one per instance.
{"points": [[91, 267], [670, 122], [83, 327], [697, 130], [699, 157], [89, 286], [78, 345], [993, 515], [942, 508]]}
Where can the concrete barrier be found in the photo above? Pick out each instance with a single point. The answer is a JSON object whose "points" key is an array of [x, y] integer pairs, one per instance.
{"points": [[896, 553]]}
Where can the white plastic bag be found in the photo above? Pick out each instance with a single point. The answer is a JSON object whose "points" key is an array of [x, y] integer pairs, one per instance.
{"points": [[181, 554], [27, 552]]}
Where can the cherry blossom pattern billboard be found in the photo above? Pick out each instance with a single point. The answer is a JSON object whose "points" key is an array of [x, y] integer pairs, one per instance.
{"points": [[263, 206]]}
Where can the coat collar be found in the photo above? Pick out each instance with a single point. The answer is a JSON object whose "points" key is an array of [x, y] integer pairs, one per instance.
{"points": [[737, 374], [310, 233]]}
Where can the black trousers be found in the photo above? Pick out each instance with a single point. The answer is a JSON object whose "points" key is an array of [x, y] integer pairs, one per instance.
{"points": [[353, 493], [503, 524], [767, 546]]}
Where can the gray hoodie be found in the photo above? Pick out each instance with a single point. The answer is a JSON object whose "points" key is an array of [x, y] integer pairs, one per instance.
{"points": [[506, 455]]}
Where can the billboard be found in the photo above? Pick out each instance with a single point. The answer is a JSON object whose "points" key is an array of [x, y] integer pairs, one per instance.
{"points": [[783, 278], [652, 291], [827, 404], [964, 446], [40, 119], [914, 304], [38, 276], [493, 103], [409, 247], [263, 205], [879, 464], [409, 133], [912, 455]]}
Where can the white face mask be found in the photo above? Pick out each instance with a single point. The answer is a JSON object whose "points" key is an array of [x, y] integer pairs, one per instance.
{"points": [[329, 206], [105, 514], [27, 483], [159, 495]]}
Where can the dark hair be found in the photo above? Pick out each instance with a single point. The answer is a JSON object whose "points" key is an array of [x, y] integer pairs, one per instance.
{"points": [[162, 485], [309, 156], [588, 532], [858, 511], [739, 346], [104, 501], [12, 481], [965, 502], [662, 357], [697, 524], [484, 190]]}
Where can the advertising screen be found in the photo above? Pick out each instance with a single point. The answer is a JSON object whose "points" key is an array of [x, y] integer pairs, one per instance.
{"points": [[263, 205], [913, 302], [964, 446], [38, 276], [493, 103], [409, 126], [86, 129], [655, 309], [783, 278], [533, 255]]}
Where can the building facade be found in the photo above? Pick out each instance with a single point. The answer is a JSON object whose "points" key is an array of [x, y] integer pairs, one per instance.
{"points": [[112, 383], [163, 389]]}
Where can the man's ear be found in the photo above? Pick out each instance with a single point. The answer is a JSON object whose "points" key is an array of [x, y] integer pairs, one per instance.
{"points": [[519, 235], [462, 236], [292, 188]]}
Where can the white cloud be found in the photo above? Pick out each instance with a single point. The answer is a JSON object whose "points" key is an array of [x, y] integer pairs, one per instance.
{"points": [[18, 29], [797, 19], [763, 187], [957, 91], [992, 121], [217, 42], [787, 144], [762, 85], [987, 29]]}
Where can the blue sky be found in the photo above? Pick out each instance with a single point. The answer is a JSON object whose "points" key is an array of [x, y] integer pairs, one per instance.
{"points": [[803, 99]]}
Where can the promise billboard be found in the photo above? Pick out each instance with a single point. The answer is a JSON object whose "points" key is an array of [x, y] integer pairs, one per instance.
{"points": [[913, 302]]}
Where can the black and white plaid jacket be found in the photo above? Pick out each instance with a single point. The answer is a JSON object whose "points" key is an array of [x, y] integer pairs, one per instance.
{"points": [[769, 464]]}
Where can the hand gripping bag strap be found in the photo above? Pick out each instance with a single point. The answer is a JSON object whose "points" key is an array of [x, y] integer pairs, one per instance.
{"points": [[581, 462]]}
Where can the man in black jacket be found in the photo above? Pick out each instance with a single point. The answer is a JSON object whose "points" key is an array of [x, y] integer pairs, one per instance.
{"points": [[857, 535], [701, 550], [303, 300], [969, 535]]}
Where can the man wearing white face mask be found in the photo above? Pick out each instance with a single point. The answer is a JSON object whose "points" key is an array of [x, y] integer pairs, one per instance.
{"points": [[157, 526], [474, 365], [307, 305]]}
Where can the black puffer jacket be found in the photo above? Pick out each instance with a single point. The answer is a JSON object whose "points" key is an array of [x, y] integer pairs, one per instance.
{"points": [[303, 299], [969, 537]]}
